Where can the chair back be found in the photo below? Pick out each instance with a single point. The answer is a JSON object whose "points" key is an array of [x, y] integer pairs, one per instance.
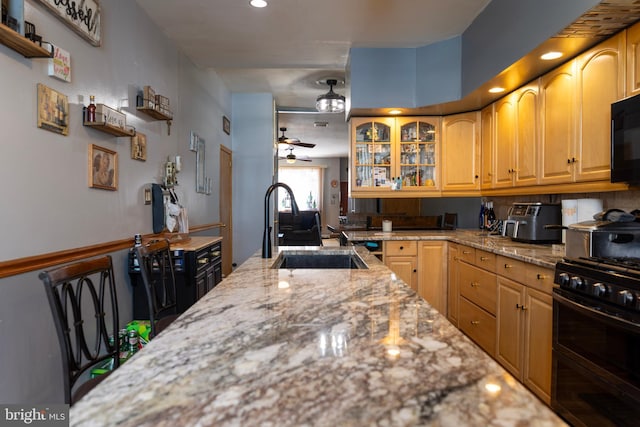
{"points": [[83, 300], [156, 268]]}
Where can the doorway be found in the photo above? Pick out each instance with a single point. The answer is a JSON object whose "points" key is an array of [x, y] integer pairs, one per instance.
{"points": [[226, 211]]}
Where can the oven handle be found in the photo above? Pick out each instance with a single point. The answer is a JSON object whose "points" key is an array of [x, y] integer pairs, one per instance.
{"points": [[618, 321]]}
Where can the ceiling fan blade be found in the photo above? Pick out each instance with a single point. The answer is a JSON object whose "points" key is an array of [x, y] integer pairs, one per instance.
{"points": [[303, 144]]}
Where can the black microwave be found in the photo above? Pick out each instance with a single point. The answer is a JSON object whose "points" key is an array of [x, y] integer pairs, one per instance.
{"points": [[625, 140]]}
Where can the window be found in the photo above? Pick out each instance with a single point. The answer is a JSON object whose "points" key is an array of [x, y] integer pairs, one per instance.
{"points": [[306, 184]]}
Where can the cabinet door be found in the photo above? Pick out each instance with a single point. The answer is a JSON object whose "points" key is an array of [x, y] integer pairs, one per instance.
{"points": [[452, 283], [527, 124], [537, 343], [510, 325], [633, 60], [418, 153], [600, 82], [487, 141], [405, 268], [372, 143], [505, 137], [461, 152], [558, 116], [432, 285]]}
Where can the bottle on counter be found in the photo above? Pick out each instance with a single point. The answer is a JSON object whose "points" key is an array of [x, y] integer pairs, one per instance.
{"points": [[481, 218], [91, 109], [491, 216]]}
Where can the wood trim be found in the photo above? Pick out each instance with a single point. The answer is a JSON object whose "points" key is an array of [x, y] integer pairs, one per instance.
{"points": [[17, 266]]}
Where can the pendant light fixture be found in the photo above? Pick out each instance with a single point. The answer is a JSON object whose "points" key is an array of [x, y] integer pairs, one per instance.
{"points": [[330, 102]]}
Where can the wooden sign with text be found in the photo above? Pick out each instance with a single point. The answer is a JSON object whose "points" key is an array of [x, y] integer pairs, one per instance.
{"points": [[83, 16]]}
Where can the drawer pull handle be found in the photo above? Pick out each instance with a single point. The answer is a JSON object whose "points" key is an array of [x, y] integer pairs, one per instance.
{"points": [[202, 261], [401, 247], [475, 322], [507, 266], [484, 258], [475, 284], [466, 252], [540, 276], [215, 253]]}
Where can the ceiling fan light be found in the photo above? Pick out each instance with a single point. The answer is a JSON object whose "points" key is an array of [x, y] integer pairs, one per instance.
{"points": [[291, 158], [258, 3], [330, 102]]}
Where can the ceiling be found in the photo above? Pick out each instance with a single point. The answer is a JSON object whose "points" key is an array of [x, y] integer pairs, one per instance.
{"points": [[291, 47]]}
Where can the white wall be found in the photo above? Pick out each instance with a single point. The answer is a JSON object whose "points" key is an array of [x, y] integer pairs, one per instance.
{"points": [[46, 203]]}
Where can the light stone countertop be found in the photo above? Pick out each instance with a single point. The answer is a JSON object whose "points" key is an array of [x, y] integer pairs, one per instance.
{"points": [[311, 347], [539, 254]]}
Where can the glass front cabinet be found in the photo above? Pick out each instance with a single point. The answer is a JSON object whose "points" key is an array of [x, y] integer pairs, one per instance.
{"points": [[394, 156]]}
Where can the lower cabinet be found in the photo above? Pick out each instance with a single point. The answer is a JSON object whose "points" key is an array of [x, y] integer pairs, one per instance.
{"points": [[453, 292], [432, 267], [401, 256], [525, 330]]}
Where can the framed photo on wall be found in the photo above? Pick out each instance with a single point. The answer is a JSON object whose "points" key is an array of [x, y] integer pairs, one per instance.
{"points": [[103, 168], [53, 110], [139, 147], [226, 125]]}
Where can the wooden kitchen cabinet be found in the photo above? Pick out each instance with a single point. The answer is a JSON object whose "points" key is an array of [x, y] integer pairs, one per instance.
{"points": [[384, 149], [461, 152], [600, 80], [432, 267], [524, 329], [453, 293], [401, 256], [558, 115], [487, 147], [516, 139], [633, 60]]}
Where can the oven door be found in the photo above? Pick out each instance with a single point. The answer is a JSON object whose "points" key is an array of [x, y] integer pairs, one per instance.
{"points": [[596, 363]]}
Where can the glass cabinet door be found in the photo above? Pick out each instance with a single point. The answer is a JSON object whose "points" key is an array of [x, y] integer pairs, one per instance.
{"points": [[373, 145], [418, 153]]}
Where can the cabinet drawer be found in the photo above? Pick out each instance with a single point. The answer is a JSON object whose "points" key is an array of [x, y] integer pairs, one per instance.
{"points": [[511, 268], [479, 325], [400, 247], [467, 254], [478, 286], [486, 260], [539, 278]]}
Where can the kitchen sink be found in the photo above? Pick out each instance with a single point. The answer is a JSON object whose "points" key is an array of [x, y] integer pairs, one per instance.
{"points": [[334, 258]]}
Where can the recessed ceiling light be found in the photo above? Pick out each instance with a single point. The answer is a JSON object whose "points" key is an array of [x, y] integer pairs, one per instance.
{"points": [[551, 55], [496, 90], [395, 112], [258, 3]]}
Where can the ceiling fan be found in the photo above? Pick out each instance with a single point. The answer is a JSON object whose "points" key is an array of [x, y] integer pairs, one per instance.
{"points": [[293, 141], [291, 158]]}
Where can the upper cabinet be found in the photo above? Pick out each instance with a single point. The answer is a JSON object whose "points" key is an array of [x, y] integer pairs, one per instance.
{"points": [[487, 143], [390, 155], [461, 152], [600, 73], [633, 60]]}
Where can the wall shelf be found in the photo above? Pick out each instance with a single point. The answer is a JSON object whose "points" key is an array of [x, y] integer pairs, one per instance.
{"points": [[154, 113], [110, 129], [21, 44]]}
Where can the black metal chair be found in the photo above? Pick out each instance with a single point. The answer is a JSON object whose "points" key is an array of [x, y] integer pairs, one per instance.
{"points": [[156, 268], [84, 304]]}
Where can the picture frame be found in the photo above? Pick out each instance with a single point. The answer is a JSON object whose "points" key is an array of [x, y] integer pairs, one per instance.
{"points": [[139, 147], [103, 168], [82, 17], [226, 125], [53, 110]]}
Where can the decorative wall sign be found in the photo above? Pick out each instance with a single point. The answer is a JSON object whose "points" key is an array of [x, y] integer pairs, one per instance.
{"points": [[53, 110], [82, 16], [201, 181], [60, 64], [103, 168], [139, 147]]}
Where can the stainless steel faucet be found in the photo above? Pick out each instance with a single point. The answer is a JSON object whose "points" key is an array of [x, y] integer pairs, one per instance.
{"points": [[266, 236]]}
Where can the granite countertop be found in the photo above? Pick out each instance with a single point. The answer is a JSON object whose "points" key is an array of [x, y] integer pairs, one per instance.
{"points": [[539, 254], [305, 347]]}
